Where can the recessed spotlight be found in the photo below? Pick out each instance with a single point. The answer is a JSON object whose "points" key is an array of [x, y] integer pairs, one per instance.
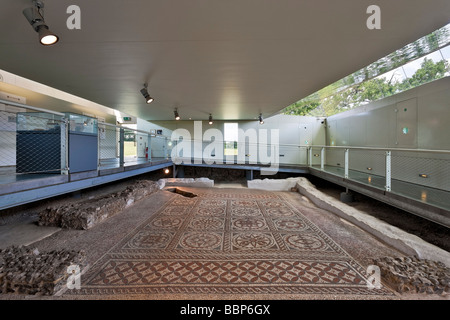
{"points": [[424, 196]]}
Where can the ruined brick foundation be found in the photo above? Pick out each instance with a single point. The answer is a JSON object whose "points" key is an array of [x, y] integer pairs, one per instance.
{"points": [[414, 275], [83, 215], [29, 272]]}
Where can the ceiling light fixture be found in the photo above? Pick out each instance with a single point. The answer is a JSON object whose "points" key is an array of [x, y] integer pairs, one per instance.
{"points": [[210, 119], [261, 120], [146, 95], [177, 116], [35, 17]]}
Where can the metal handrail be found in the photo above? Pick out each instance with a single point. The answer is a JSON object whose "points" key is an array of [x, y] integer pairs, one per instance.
{"points": [[20, 105], [238, 142], [383, 149], [136, 130]]}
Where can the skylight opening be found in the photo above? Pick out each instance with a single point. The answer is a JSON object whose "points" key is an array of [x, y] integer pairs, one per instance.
{"points": [[420, 62]]}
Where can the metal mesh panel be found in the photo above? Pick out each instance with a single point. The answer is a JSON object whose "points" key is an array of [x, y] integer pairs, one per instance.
{"points": [[159, 147], [235, 152], [368, 161], [316, 157], [7, 141], [138, 146], [293, 155], [368, 167], [334, 157], [169, 147], [431, 170], [108, 143], [33, 142], [130, 146]]}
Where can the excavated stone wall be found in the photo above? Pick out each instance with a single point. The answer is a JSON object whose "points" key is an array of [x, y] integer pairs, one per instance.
{"points": [[29, 272], [216, 174], [85, 214], [414, 275], [222, 174]]}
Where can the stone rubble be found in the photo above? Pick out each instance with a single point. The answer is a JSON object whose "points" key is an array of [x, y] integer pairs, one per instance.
{"points": [[29, 272], [83, 215], [414, 275]]}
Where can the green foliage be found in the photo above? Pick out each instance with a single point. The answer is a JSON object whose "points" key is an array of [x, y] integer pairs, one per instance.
{"points": [[329, 101], [363, 86], [301, 108], [428, 72]]}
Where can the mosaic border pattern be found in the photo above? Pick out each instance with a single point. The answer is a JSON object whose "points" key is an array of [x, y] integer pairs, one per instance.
{"points": [[227, 243]]}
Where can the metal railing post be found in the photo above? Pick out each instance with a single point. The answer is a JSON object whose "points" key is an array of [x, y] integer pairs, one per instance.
{"points": [[122, 147], [346, 164], [322, 159], [98, 147], [310, 157], [149, 147], [388, 171], [66, 147], [165, 148]]}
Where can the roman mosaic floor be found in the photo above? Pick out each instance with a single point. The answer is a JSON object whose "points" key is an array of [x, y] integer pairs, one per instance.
{"points": [[231, 243]]}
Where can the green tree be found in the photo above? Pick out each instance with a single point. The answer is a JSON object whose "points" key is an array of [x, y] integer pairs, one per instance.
{"points": [[330, 100], [302, 108], [429, 71], [374, 89]]}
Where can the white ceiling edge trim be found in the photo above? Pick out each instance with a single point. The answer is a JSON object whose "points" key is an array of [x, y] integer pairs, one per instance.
{"points": [[40, 88]]}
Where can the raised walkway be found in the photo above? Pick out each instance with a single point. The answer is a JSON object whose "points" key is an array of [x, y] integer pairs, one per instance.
{"points": [[428, 203]]}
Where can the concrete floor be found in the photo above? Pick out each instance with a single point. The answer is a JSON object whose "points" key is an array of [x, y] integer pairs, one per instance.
{"points": [[360, 244], [24, 233]]}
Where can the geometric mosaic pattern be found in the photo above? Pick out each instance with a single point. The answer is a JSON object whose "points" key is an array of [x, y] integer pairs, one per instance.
{"points": [[227, 243]]}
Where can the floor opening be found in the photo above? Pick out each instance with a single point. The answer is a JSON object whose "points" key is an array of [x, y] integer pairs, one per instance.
{"points": [[182, 192]]}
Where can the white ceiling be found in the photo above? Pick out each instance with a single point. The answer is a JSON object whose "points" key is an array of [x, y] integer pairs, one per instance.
{"points": [[232, 58]]}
